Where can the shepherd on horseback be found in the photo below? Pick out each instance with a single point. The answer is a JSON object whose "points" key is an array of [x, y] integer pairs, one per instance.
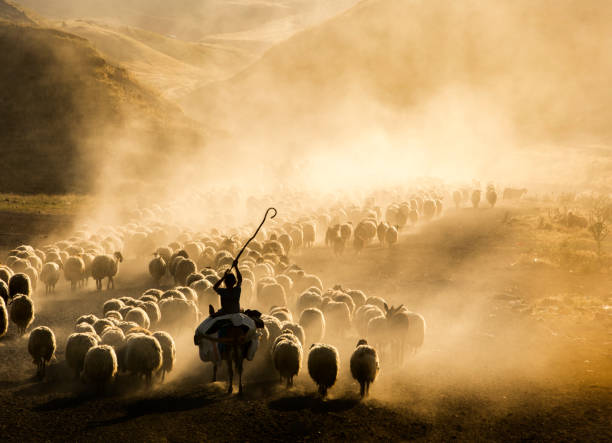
{"points": [[230, 334], [230, 294]]}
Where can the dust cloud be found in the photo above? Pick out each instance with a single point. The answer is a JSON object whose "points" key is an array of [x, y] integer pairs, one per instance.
{"points": [[387, 95]]}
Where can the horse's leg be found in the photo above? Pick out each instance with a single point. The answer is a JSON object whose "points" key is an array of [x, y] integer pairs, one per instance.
{"points": [[239, 362], [214, 372], [230, 373]]}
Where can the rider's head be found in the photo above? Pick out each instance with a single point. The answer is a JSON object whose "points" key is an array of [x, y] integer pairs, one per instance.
{"points": [[230, 280]]}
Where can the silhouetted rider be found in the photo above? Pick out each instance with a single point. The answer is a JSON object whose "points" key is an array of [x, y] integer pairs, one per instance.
{"points": [[230, 294]]}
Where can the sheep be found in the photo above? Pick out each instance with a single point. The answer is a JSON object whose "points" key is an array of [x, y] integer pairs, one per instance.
{"points": [[5, 274], [416, 331], [272, 295], [87, 318], [4, 291], [282, 313], [359, 298], [177, 314], [113, 337], [49, 275], [105, 266], [99, 365], [85, 328], [491, 196], [376, 301], [144, 356], [182, 270], [157, 268], [296, 329], [22, 312], [429, 209], [41, 346], [391, 235], [323, 366], [475, 198], [312, 321], [168, 350], [337, 313], [138, 315], [364, 314], [101, 324], [273, 325], [74, 271], [381, 231], [153, 312], [19, 284], [112, 304], [308, 300], [287, 358], [346, 299], [4, 322], [309, 229], [364, 366], [77, 346]]}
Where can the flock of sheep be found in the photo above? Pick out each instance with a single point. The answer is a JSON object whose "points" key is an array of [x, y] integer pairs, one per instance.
{"points": [[134, 335]]}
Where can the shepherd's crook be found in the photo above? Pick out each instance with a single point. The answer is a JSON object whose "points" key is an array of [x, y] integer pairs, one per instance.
{"points": [[258, 228]]}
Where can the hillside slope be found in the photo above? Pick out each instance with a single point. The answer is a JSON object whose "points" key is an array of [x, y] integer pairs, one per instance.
{"points": [[69, 119], [172, 66], [543, 66]]}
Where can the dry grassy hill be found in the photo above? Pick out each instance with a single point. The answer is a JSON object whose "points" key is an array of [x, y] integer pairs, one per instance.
{"points": [[543, 65], [68, 116], [169, 65]]}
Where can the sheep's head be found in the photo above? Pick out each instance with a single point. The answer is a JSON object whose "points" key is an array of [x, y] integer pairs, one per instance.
{"points": [[118, 256], [362, 342]]}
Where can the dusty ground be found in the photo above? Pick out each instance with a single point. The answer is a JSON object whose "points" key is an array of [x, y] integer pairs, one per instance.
{"points": [[516, 349]]}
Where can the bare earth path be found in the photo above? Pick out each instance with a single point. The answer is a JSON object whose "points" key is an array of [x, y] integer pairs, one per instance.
{"points": [[515, 350]]}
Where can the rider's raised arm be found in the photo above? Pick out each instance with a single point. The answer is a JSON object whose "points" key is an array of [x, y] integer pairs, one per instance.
{"points": [[238, 276]]}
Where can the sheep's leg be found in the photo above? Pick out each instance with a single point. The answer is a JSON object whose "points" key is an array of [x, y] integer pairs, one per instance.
{"points": [[362, 388], [163, 375]]}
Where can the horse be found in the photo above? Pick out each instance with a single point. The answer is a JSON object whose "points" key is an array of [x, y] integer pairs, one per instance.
{"points": [[234, 343]]}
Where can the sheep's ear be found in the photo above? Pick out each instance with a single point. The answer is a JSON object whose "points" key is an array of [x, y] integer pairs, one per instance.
{"points": [[386, 307]]}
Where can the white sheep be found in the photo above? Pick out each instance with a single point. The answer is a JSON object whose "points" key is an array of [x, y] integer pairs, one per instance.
{"points": [[323, 366], [105, 266], [391, 236], [138, 315], [144, 356], [4, 291], [99, 365], [77, 346], [153, 312], [157, 268], [182, 271], [313, 322], [22, 312], [296, 329], [272, 295], [287, 357], [74, 271], [113, 337], [41, 346], [4, 321], [50, 275], [364, 366], [168, 350]]}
